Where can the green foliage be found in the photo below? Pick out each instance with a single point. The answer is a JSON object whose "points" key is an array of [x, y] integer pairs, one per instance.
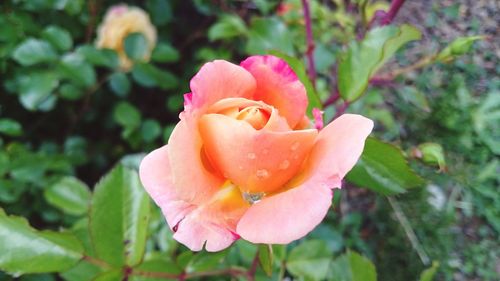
{"points": [[136, 46], [310, 260], [33, 51], [266, 258], [353, 267], [458, 47], [428, 274], [70, 195], [383, 168]]}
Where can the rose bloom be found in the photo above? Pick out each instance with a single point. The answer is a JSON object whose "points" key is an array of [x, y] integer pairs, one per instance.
{"points": [[120, 21], [243, 160]]}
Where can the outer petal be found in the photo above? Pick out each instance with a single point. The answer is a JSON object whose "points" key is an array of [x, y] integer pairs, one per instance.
{"points": [[218, 80], [156, 177], [194, 178], [338, 147], [278, 86], [288, 216], [255, 160]]}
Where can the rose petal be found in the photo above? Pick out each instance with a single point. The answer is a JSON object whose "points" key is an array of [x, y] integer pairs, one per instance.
{"points": [[255, 160], [278, 86], [194, 178], [156, 177], [338, 147], [218, 80], [288, 216]]}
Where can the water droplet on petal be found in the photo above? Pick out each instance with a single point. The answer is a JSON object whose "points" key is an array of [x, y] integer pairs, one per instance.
{"points": [[284, 165], [262, 173], [253, 197], [295, 146], [251, 155]]}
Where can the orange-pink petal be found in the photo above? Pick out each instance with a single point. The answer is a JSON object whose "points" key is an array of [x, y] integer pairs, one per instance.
{"points": [[277, 85]]}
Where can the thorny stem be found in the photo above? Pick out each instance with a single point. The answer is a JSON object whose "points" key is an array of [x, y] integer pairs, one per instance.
{"points": [[311, 70], [393, 11], [409, 230]]}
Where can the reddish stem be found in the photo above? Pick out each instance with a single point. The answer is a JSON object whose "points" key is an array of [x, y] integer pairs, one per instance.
{"points": [[393, 11], [311, 70], [332, 99]]}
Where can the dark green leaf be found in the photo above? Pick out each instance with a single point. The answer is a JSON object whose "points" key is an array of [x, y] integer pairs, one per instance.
{"points": [[148, 75], [309, 260], [33, 51], [119, 215], [74, 67], [119, 84], [160, 11], [58, 37], [70, 195], [415, 97], [157, 262], [10, 127], [127, 115], [99, 57], [150, 130], [136, 46], [269, 34], [383, 168], [35, 89], [362, 60], [266, 258], [298, 67], [70, 92], [352, 267], [83, 271], [486, 119], [26, 250], [205, 261], [165, 52], [227, 26]]}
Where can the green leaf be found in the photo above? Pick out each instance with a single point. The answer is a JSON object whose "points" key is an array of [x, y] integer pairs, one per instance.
{"points": [[74, 67], [99, 57], [70, 92], [486, 119], [58, 37], [119, 84], [33, 51], [27, 250], [415, 97], [127, 115], [458, 47], [83, 271], [70, 195], [150, 130], [10, 127], [36, 89], [165, 52], [266, 258], [432, 153], [227, 26], [309, 260], [160, 11], [269, 34], [361, 60], [157, 262], [429, 273], [352, 267], [383, 169], [112, 275], [300, 70], [136, 46], [148, 75], [119, 215], [205, 261]]}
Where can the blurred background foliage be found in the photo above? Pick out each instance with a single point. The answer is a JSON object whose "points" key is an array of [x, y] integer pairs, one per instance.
{"points": [[68, 115]]}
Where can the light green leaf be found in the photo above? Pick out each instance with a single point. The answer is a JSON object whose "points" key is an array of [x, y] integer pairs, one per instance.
{"points": [[119, 215], [266, 258], [429, 273], [99, 57], [165, 52], [74, 67], [10, 127], [432, 153], [112, 275], [27, 250], [205, 261], [36, 88], [119, 84], [309, 260], [33, 51], [70, 195], [227, 26], [458, 47], [352, 267], [59, 38], [127, 115], [148, 75], [136, 46], [383, 169], [360, 62], [83, 271], [267, 34]]}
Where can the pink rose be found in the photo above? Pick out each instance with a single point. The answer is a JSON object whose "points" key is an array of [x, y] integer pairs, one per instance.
{"points": [[243, 162]]}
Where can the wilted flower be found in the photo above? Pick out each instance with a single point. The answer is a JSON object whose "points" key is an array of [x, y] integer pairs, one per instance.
{"points": [[242, 161], [119, 22]]}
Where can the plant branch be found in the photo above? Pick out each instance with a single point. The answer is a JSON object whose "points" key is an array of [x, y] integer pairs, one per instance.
{"points": [[393, 74], [408, 230], [253, 268], [393, 11], [98, 262], [311, 69], [93, 7]]}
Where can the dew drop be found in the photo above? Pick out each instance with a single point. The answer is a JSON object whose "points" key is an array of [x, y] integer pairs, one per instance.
{"points": [[253, 197], [251, 155], [262, 173], [295, 146], [284, 165]]}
